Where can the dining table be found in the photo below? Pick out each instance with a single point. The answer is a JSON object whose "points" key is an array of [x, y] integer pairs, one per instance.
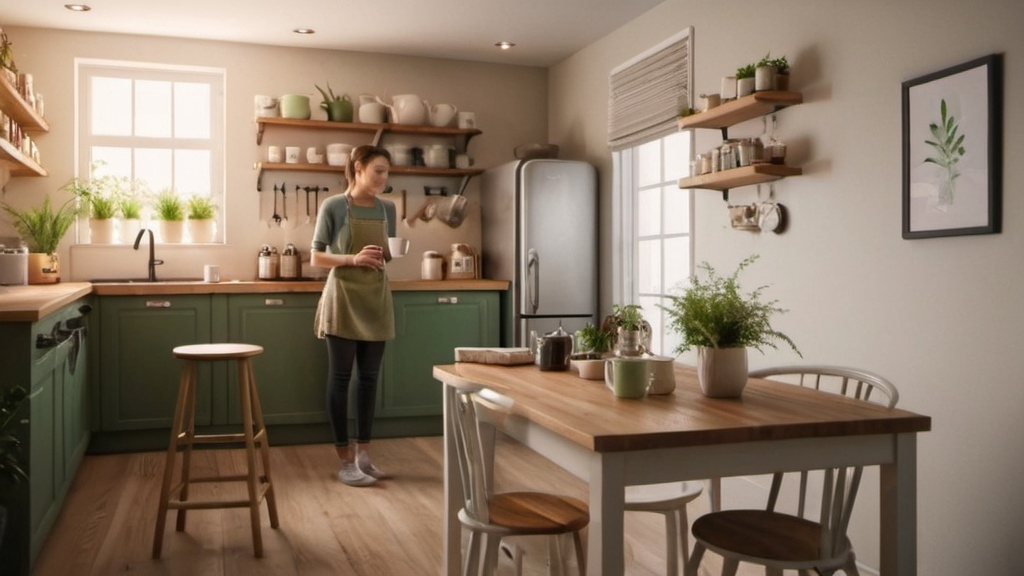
{"points": [[612, 442]]}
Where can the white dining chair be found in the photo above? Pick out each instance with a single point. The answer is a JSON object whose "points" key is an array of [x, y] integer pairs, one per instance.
{"points": [[780, 541], [489, 516], [669, 499]]}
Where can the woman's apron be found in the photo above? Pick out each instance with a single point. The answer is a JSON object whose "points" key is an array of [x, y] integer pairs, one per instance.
{"points": [[356, 300]]}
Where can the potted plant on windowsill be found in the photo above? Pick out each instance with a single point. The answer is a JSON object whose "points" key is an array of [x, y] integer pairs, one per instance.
{"points": [[130, 207], [202, 227], [169, 209], [712, 315], [42, 229], [99, 202], [592, 345]]}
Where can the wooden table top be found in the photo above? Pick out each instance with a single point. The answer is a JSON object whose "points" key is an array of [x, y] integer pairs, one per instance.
{"points": [[587, 413]]}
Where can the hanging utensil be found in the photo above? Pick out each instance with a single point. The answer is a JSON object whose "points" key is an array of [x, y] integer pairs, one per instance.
{"points": [[429, 210], [453, 210], [276, 217]]}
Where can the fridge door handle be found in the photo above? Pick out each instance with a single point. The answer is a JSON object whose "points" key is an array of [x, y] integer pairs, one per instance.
{"points": [[533, 279]]}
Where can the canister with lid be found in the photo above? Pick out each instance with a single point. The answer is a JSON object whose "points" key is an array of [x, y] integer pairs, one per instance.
{"points": [[291, 262], [269, 263], [432, 267]]}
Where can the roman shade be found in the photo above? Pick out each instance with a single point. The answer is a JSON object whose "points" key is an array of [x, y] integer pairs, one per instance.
{"points": [[646, 93]]}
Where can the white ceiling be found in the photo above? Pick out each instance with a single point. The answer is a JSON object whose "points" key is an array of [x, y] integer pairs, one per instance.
{"points": [[545, 31]]}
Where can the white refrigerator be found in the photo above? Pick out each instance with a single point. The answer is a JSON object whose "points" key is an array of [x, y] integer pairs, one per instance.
{"points": [[539, 221]]}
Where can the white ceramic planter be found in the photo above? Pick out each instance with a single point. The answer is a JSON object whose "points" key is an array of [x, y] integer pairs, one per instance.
{"points": [[744, 86], [101, 231], [202, 231], [722, 372], [130, 229], [171, 231]]}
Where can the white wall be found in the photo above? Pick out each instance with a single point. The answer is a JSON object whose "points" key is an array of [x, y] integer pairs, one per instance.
{"points": [[939, 317], [509, 102]]}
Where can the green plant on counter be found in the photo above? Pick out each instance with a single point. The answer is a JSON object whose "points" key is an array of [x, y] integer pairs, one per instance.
{"points": [[780, 63], [201, 207], [169, 206], [10, 447], [746, 71], [712, 313], [592, 339], [43, 228], [628, 317]]}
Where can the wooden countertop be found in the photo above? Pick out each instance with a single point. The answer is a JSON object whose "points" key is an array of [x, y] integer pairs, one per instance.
{"points": [[32, 303]]}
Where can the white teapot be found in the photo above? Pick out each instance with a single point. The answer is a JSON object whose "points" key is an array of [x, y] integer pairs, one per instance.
{"points": [[442, 115], [407, 109]]}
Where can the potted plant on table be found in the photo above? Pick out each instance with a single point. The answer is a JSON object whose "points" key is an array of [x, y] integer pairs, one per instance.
{"points": [[42, 229], [202, 227], [169, 209], [592, 345], [631, 333], [713, 315]]}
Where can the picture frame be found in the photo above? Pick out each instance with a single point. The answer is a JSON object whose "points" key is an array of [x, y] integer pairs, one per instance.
{"points": [[952, 151]]}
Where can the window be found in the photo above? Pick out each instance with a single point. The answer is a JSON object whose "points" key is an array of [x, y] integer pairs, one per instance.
{"points": [[161, 127], [653, 221]]}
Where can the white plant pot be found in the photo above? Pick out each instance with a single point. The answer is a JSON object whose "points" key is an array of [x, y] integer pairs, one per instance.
{"points": [[101, 231], [202, 231], [764, 78], [744, 87], [722, 372], [171, 231], [130, 229]]}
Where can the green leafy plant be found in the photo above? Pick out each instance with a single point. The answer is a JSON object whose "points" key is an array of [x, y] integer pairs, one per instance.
{"points": [[687, 111], [949, 147], [10, 447], [43, 228], [781, 64], [201, 208], [746, 71], [628, 317], [169, 206], [590, 338], [713, 313], [130, 207]]}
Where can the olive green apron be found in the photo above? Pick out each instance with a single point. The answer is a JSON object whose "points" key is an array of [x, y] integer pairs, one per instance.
{"points": [[356, 300]]}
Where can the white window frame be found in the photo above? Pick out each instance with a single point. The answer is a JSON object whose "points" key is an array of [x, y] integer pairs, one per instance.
{"points": [[86, 68]]}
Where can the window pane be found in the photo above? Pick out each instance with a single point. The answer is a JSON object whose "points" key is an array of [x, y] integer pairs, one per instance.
{"points": [[192, 172], [152, 109], [111, 106], [153, 166], [653, 316], [676, 216], [649, 266], [191, 110], [648, 212], [649, 164], [116, 161], [677, 262], [677, 155]]}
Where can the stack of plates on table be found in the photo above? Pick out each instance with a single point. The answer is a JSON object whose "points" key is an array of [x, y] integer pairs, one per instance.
{"points": [[504, 356]]}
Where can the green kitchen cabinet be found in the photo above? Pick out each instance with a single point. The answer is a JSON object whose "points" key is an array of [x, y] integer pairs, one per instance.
{"points": [[428, 327], [48, 359], [138, 373], [291, 374]]}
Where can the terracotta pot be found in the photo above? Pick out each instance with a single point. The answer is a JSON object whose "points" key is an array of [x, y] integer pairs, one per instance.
{"points": [[722, 372], [43, 268]]}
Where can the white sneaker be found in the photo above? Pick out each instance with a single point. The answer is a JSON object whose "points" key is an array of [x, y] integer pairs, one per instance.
{"points": [[351, 474], [363, 460]]}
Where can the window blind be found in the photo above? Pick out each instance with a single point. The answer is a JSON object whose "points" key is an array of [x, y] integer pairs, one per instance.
{"points": [[647, 92]]}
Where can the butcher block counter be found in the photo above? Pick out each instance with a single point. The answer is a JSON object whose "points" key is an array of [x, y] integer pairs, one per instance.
{"points": [[32, 303]]}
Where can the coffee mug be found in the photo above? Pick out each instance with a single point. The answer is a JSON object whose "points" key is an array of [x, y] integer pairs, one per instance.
{"points": [[291, 154], [663, 375], [463, 161], [627, 377], [467, 120], [274, 154], [211, 273], [398, 246]]}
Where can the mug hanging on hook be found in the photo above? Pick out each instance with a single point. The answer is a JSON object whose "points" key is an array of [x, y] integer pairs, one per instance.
{"points": [[771, 216]]}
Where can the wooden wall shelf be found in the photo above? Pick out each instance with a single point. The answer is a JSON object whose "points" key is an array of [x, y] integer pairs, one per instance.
{"points": [[744, 176], [741, 109]]}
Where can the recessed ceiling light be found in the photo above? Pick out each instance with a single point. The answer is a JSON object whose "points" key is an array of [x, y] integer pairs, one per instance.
{"points": [[304, 31], [78, 7], [504, 45]]}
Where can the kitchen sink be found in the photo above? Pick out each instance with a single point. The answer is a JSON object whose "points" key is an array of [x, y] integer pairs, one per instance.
{"points": [[142, 280]]}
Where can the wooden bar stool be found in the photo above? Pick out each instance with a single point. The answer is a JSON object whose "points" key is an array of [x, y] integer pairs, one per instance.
{"points": [[183, 437]]}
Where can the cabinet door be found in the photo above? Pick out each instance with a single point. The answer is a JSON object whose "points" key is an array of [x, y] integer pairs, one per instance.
{"points": [[291, 374], [139, 375], [429, 326]]}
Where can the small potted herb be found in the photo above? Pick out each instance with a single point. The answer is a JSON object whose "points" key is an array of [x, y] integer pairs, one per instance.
{"points": [[771, 73], [202, 227], [42, 229], [592, 345], [745, 79], [631, 331], [169, 209]]}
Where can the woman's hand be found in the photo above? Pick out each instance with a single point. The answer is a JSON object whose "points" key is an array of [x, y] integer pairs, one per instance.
{"points": [[370, 256]]}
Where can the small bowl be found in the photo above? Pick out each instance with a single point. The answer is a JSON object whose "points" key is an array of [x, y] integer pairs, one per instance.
{"points": [[337, 159], [589, 369]]}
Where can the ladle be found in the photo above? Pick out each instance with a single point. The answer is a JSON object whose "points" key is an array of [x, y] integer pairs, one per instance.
{"points": [[276, 217]]}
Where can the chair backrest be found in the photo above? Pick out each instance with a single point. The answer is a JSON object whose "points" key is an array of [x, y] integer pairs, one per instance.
{"points": [[839, 488], [469, 447]]}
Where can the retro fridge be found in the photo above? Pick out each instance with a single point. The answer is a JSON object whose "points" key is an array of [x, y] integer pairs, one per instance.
{"points": [[539, 222]]}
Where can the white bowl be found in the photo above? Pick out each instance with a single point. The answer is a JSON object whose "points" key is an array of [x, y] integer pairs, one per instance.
{"points": [[337, 159], [589, 369]]}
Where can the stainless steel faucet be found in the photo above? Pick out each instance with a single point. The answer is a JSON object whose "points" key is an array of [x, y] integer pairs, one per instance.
{"points": [[152, 253]]}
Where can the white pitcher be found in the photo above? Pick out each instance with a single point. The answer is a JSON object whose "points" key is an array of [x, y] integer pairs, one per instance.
{"points": [[442, 115], [406, 109]]}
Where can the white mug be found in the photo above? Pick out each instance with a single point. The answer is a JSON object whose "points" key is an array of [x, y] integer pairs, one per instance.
{"points": [[274, 154], [291, 154], [313, 156], [211, 273], [398, 246], [463, 161], [467, 120]]}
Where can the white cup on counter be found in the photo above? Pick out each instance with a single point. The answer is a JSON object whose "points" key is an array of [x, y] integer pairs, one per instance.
{"points": [[211, 273]]}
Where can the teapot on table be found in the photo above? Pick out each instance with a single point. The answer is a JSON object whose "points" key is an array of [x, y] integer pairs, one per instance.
{"points": [[553, 350]]}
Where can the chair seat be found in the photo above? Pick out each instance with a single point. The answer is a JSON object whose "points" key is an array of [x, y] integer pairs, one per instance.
{"points": [[659, 497], [769, 536], [538, 513]]}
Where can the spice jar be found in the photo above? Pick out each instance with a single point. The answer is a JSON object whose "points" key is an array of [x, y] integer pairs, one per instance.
{"points": [[291, 262], [269, 262], [432, 267]]}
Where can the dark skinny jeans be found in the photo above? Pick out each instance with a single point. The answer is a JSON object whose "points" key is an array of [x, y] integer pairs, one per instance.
{"points": [[342, 356]]}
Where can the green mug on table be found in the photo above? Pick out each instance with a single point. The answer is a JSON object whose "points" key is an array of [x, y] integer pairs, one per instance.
{"points": [[628, 377]]}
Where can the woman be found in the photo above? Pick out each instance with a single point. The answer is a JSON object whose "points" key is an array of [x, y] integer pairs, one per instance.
{"points": [[355, 313]]}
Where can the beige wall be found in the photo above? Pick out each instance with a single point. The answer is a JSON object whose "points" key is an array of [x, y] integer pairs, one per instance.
{"points": [[509, 102], [939, 317]]}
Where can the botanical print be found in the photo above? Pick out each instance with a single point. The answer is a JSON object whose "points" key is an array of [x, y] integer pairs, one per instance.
{"points": [[949, 149]]}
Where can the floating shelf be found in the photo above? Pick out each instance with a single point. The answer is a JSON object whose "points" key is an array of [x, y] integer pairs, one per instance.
{"points": [[465, 173], [17, 108], [378, 129], [18, 163], [736, 177], [741, 109]]}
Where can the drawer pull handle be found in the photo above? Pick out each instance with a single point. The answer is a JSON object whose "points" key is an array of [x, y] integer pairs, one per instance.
{"points": [[158, 304], [273, 302], [447, 299]]}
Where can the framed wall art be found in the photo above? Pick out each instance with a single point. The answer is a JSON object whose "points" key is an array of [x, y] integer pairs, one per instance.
{"points": [[952, 151]]}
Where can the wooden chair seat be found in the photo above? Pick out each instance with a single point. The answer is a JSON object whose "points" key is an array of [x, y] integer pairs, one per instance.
{"points": [[538, 513], [768, 536]]}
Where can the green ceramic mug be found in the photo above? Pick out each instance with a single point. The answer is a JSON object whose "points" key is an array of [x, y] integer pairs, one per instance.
{"points": [[628, 377]]}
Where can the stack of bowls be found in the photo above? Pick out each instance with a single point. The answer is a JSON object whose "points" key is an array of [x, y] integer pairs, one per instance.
{"points": [[337, 154]]}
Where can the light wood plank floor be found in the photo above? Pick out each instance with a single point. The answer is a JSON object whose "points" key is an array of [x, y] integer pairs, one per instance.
{"points": [[327, 528]]}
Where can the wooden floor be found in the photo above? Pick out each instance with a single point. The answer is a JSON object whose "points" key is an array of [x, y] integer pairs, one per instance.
{"points": [[327, 528]]}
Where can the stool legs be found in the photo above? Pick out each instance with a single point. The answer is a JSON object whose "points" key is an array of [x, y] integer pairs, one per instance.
{"points": [[185, 393]]}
